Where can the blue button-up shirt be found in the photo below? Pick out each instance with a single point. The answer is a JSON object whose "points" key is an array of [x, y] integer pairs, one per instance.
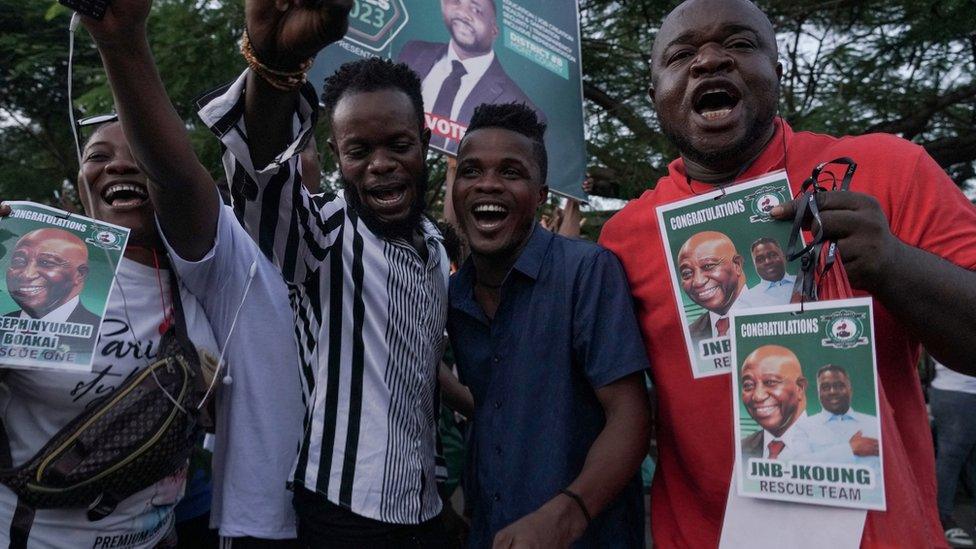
{"points": [[564, 327]]}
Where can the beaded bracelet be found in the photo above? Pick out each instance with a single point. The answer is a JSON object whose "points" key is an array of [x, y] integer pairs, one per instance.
{"points": [[278, 79]]}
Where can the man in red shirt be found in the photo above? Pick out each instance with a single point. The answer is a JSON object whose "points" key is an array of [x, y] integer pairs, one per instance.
{"points": [[906, 234]]}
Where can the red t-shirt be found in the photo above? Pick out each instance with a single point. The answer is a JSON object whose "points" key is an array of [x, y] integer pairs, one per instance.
{"points": [[694, 424]]}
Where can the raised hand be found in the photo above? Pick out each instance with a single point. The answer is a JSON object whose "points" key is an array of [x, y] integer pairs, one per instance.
{"points": [[285, 33], [123, 24]]}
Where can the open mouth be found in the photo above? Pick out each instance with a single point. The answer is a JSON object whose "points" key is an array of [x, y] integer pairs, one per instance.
{"points": [[125, 195], [488, 216], [388, 198], [716, 103]]}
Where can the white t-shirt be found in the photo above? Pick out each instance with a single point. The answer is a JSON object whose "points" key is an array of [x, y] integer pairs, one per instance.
{"points": [[37, 404], [259, 415], [950, 380]]}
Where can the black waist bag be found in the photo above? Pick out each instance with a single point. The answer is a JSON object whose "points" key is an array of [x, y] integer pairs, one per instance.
{"points": [[141, 434]]}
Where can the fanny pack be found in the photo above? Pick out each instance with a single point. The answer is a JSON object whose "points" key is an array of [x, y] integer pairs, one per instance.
{"points": [[141, 434]]}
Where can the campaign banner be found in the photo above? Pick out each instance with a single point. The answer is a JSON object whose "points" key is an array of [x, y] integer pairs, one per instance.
{"points": [[805, 400], [469, 52], [59, 270], [726, 252]]}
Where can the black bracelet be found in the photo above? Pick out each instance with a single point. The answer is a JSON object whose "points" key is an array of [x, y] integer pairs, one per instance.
{"points": [[579, 501]]}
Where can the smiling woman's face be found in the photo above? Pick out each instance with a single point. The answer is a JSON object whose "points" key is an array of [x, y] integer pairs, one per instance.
{"points": [[112, 186]]}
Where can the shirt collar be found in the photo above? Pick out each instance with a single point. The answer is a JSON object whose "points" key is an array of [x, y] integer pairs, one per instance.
{"points": [[846, 416], [786, 280], [772, 158], [529, 263], [60, 314], [475, 66]]}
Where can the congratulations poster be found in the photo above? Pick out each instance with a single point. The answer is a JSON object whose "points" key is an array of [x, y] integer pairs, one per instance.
{"points": [[725, 252], [59, 269], [805, 394]]}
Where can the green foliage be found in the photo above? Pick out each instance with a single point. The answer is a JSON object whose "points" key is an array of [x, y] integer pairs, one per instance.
{"points": [[901, 66]]}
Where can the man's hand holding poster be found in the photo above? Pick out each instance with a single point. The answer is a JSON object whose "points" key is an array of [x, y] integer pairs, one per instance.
{"points": [[59, 270], [725, 253], [805, 399]]}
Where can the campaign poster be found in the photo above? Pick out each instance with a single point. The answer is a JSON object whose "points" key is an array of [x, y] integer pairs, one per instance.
{"points": [[726, 252], [58, 272], [469, 52], [805, 398]]}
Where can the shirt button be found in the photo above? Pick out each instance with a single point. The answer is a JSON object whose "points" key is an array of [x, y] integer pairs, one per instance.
{"points": [[498, 404], [495, 359], [498, 450], [496, 497]]}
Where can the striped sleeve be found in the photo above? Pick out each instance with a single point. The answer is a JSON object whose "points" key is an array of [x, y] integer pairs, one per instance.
{"points": [[293, 228]]}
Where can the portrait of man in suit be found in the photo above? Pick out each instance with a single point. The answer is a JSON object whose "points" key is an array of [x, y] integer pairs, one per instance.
{"points": [[773, 391], [463, 73], [710, 273], [47, 271]]}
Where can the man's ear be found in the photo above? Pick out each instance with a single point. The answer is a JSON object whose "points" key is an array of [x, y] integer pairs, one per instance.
{"points": [[82, 272], [779, 70], [801, 382], [650, 93], [738, 261], [543, 195]]}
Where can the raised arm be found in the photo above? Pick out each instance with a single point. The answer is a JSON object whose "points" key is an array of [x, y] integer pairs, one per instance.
{"points": [[284, 37], [179, 186]]}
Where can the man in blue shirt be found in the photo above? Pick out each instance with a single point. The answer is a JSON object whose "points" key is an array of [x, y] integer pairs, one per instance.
{"points": [[545, 336], [849, 436], [776, 286]]}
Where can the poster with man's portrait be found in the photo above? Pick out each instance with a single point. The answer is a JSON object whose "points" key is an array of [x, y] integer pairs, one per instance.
{"points": [[470, 52], [725, 252], [58, 272], [805, 397]]}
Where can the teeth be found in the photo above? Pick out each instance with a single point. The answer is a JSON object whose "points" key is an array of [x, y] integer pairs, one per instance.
{"points": [[111, 191], [483, 208], [707, 292], [715, 115], [30, 290]]}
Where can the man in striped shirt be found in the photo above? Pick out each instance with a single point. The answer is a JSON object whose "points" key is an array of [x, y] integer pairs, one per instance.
{"points": [[367, 275]]}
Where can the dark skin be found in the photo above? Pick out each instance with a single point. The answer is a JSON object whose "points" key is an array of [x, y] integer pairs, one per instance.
{"points": [[770, 261], [497, 167], [731, 44]]}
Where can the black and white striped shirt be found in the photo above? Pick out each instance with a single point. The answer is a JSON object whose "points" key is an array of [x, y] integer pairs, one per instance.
{"points": [[370, 316]]}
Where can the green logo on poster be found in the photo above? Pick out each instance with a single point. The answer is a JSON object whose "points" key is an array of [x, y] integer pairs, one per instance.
{"points": [[105, 238], [373, 24], [762, 201], [845, 330]]}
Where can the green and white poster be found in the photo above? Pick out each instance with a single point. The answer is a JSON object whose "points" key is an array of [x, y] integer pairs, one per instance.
{"points": [[726, 252], [469, 52], [59, 270], [805, 397]]}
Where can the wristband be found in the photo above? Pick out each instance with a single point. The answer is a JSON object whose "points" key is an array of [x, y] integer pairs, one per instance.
{"points": [[579, 501], [278, 79]]}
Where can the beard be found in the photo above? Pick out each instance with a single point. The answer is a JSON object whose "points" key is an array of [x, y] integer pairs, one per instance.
{"points": [[725, 156], [403, 228]]}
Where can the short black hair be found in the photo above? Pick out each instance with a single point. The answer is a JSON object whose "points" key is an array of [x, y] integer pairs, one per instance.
{"points": [[369, 75], [516, 117], [833, 368], [765, 240]]}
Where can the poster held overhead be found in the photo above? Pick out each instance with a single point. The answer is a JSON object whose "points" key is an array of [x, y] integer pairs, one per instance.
{"points": [[469, 52]]}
